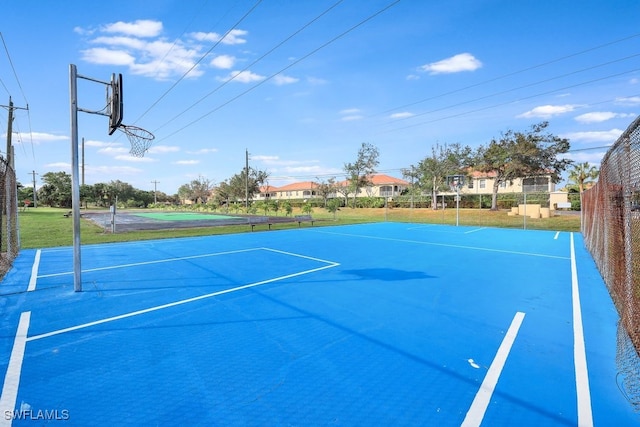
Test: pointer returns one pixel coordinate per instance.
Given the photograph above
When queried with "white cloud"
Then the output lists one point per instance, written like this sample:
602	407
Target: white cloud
36	137
233	38
203	151
113	150
631	100
159	149
601	116
595	136
242	77
547	111
403	115
284	80
105	56
454	64
134	159
224	62
187	162
139	28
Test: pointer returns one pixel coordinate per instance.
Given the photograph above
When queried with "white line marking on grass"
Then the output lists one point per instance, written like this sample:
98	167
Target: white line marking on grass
418	242
34	272
556	236
176	303
14	369
585	416
160	261
480	403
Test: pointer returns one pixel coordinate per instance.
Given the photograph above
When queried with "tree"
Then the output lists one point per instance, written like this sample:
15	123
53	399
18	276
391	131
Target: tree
583	174
326	189
522	155
359	172
237	184
198	190
56	190
445	160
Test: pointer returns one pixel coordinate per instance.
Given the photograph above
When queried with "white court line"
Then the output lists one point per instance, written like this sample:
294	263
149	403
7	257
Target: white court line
480	403
556	236
475	230
176	303
585	416
299	255
160	261
34	272
418	242
14	369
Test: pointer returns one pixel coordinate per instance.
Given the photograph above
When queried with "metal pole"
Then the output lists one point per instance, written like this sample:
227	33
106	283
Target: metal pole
75	186
457	205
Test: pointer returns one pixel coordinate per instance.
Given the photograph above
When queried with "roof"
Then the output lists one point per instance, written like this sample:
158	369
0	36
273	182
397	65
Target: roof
298	186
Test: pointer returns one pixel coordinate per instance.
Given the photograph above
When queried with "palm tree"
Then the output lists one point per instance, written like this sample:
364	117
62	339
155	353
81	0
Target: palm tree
583	174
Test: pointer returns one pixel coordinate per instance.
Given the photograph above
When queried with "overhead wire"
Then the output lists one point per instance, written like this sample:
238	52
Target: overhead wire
339	36
513	101
231	28
530	68
295	33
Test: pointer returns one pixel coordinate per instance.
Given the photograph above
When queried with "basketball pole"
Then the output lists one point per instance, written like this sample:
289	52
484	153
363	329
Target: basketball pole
75	186
75	169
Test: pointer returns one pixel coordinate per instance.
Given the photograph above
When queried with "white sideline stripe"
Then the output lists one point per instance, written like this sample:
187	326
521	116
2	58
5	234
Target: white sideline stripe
14	369
556	236
159	261
480	403
34	272
176	303
418	242
585	416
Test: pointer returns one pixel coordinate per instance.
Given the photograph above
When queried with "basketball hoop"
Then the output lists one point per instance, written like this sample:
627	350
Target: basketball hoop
140	139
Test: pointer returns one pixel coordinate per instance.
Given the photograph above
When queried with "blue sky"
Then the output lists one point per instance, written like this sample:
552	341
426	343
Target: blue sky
301	84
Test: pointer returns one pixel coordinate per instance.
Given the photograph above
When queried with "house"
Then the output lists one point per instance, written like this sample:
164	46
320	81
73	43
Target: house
381	186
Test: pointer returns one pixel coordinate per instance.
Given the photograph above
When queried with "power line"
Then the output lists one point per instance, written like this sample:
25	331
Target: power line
533	67
252	64
14	70
513	101
390	5
199	60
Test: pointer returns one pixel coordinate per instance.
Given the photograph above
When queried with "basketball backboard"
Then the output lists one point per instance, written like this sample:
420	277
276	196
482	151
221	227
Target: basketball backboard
114	102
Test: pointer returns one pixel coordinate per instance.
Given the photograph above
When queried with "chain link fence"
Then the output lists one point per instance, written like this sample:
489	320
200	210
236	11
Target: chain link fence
611	229
9	238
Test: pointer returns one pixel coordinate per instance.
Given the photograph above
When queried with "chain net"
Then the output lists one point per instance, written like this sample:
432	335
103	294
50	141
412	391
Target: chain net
9	242
611	229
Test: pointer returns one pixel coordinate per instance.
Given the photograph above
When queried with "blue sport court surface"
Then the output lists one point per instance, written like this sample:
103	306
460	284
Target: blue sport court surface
384	324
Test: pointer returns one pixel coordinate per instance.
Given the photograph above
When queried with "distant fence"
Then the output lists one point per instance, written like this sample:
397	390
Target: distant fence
611	229
9	239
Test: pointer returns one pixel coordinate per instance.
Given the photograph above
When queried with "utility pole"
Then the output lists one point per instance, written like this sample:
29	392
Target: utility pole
10	129
35	200
155	191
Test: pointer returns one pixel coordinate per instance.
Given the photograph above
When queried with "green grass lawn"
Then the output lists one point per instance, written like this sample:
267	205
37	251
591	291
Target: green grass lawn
47	227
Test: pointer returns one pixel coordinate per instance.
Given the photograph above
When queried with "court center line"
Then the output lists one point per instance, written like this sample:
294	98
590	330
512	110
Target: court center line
159	261
585	416
14	370
418	242
556	236
34	272
176	303
480	403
